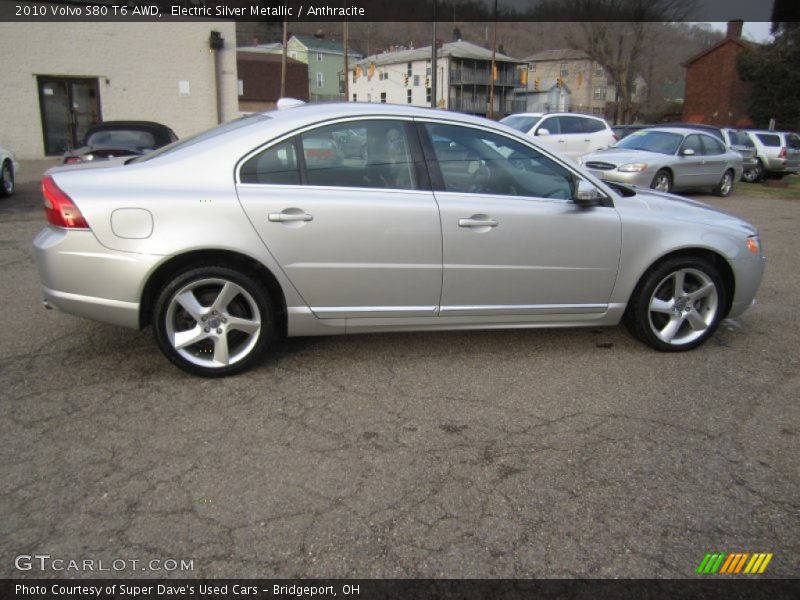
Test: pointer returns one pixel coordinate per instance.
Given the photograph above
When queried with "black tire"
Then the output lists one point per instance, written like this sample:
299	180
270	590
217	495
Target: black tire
6	180
664	179
652	315
725	186
248	303
755	174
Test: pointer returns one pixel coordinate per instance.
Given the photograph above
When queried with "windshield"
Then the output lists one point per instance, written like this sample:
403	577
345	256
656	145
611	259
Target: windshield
661	142
520	122
202	136
121	138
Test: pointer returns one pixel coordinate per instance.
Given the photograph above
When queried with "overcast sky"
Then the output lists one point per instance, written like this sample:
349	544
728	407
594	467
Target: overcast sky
757	31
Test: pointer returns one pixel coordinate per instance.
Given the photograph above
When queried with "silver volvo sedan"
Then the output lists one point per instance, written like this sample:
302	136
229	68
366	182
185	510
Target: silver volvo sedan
265	226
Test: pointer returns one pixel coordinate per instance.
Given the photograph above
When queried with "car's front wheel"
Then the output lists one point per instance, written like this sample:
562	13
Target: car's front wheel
677	305
662	181
6	180
213	321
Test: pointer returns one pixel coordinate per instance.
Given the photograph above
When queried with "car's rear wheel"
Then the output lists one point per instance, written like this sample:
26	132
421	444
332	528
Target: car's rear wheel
213	321
755	174
725	186
6	180
662	181
677	305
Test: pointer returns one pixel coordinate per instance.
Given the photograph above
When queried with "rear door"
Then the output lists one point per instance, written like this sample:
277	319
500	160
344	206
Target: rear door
358	236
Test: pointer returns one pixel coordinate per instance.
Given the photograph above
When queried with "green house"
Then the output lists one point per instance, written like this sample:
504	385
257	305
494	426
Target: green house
325	60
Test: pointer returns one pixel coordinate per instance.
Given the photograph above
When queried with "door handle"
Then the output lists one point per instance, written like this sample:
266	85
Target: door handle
288	217
587	140
477	223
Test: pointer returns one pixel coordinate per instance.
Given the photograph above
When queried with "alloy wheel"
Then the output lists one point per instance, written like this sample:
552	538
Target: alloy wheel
683	306
213	322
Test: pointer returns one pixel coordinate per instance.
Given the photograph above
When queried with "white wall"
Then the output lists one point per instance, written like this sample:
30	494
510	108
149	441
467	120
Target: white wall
138	65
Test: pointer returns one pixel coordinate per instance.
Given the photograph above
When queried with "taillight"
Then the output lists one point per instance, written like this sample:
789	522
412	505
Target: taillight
615	136
782	153
71	160
59	209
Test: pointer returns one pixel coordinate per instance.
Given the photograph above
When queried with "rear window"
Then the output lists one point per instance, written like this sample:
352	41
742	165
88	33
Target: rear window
202	136
121	138
793	141
769	139
740	138
593	125
520	123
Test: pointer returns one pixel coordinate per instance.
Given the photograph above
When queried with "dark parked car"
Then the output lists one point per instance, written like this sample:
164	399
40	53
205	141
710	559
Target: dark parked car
111	139
622	131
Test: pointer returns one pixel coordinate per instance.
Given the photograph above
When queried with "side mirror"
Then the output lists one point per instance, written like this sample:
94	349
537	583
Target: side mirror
542	131
586	195
687	152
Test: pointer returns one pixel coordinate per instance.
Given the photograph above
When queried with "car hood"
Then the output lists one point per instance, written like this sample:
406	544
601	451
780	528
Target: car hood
622	156
670	206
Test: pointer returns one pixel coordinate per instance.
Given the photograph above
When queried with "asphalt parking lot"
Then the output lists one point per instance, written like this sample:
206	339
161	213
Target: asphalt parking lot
555	453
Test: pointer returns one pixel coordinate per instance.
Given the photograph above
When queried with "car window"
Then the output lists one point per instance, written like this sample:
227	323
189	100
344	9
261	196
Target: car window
739	138
712	145
793	141
593	125
520	122
372	153
121	138
493	164
769	139
662	142
551	124
276	165
692	142
571	125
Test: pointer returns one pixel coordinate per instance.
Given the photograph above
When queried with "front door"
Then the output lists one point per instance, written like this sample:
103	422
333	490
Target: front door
357	233
513	241
69	106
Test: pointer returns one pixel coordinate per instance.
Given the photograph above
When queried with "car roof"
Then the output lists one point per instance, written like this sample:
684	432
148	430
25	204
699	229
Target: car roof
680	130
128	124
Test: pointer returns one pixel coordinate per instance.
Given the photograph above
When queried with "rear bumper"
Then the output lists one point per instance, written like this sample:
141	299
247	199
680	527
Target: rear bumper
81	277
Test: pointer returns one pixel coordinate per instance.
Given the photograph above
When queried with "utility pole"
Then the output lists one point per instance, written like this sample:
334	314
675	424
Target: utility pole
346	67
434	53
491	71
283	58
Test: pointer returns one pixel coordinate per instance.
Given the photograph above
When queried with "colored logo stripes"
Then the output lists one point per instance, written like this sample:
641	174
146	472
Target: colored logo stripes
734	563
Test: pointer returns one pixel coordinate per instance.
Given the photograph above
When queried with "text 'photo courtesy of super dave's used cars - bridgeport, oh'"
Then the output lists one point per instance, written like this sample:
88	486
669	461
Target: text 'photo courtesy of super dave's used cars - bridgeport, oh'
264	227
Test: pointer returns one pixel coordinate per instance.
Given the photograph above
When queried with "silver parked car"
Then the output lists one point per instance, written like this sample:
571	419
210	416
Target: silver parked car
669	159
778	153
256	228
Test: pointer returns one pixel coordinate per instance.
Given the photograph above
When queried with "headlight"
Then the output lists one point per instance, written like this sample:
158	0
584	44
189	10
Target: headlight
633	168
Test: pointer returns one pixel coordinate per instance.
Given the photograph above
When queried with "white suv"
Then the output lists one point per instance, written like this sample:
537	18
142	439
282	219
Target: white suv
569	133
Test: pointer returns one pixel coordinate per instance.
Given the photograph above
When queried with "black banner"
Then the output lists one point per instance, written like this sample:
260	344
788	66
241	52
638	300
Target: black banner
389	589
413	11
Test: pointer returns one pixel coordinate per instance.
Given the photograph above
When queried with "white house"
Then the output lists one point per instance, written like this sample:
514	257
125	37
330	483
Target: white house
464	71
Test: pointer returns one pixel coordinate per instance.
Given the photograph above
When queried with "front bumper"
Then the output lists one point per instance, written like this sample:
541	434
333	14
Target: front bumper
81	277
640	178
748	273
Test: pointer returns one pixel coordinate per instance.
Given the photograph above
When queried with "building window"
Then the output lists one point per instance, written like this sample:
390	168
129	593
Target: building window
427	95
240	85
599	71
416	80
600	93
355	97
292	54
319	56
408	69
428	68
320	80
408	96
383	97
564	70
369	97
597	110
532	67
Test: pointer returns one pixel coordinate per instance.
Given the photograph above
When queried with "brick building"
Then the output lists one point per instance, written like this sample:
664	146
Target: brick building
714	93
260	80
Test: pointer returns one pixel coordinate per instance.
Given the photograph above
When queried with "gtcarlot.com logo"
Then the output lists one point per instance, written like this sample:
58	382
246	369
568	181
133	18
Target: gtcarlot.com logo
734	563
45	562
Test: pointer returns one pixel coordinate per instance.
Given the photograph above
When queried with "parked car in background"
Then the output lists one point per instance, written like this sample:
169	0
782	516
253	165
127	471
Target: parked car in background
777	152
254	228
738	141
569	133
623	131
8	172
669	159
112	139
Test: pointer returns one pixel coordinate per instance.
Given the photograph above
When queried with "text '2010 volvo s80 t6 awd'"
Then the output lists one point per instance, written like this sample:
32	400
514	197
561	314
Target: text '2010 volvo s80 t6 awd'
265	225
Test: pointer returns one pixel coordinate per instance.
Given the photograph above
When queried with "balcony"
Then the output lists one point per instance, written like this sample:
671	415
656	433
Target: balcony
460	76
